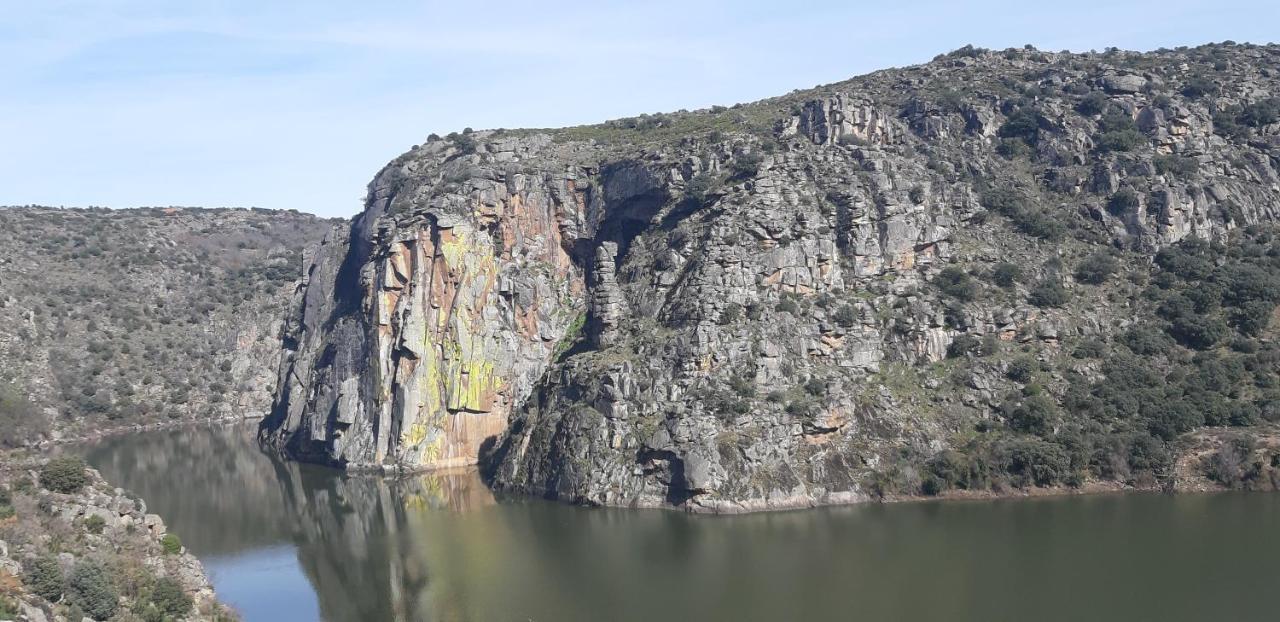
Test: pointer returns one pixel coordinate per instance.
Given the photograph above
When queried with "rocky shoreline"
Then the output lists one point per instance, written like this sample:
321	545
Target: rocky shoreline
74	547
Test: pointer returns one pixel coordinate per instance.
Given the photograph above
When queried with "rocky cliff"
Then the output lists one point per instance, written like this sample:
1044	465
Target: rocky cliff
917	280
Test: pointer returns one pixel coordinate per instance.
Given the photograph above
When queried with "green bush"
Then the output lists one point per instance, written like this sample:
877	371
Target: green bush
956	283
90	588
43	576
64	474
1024	124
1096	268
1005	274
746	164
1092	104
1029	219
1048	293
1175	165
731	314
20	421
1022	369
171	544
95	524
846	315
701	188
1123	202
169	597
1198	86
1034	461
963	345
1118	132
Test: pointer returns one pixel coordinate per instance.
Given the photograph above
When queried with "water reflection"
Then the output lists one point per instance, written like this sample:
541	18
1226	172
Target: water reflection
353	537
440	548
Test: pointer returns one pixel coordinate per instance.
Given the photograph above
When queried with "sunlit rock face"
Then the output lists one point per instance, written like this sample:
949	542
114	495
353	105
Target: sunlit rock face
748	308
412	338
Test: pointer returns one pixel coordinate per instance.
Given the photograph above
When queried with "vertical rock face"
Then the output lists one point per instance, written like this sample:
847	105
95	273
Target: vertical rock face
414	335
793	302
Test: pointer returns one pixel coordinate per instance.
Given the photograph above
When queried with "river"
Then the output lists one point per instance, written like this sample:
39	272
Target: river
284	541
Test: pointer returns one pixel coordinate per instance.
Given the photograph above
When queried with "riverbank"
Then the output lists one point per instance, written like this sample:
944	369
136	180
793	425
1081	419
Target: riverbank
98	435
74	546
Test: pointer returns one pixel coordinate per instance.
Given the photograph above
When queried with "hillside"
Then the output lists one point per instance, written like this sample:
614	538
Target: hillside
111	318
993	271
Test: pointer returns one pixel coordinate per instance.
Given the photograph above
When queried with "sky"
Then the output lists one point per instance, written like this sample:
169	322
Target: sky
296	104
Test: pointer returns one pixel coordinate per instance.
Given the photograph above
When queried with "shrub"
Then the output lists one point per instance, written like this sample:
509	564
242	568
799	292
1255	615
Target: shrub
1199	332
1048	293
169	597
700	189
95	524
1023	124
1096	268
44	577
171	544
1005	274
1034	461
1030	220
1022	369
963	345
956	283
1033	414
64	474
1198	86
90	588
846	315
732	313
746	164
1118	132
1092	104
1176	165
20	421
1123	202
1260	113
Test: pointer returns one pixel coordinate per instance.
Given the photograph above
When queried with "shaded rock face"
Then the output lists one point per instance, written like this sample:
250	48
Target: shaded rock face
757	308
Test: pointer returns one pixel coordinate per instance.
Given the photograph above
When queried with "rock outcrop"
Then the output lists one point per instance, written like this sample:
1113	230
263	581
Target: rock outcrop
792	302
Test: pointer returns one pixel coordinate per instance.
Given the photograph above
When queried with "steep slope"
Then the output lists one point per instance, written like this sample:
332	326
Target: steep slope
121	317
920	279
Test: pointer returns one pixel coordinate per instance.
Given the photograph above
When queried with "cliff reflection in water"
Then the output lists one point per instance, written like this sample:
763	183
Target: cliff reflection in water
294	542
364	543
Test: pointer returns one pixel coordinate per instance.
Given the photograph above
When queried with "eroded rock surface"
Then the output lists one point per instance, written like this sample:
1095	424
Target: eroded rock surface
779	304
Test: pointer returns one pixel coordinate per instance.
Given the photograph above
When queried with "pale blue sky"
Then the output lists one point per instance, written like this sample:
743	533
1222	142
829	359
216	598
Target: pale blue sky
297	104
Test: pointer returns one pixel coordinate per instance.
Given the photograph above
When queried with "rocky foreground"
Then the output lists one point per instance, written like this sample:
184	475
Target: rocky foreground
997	270
72	547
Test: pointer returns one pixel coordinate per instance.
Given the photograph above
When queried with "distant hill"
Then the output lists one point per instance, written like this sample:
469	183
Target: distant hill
118	317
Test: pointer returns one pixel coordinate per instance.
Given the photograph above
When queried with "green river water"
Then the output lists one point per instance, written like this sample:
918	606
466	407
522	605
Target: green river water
284	541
